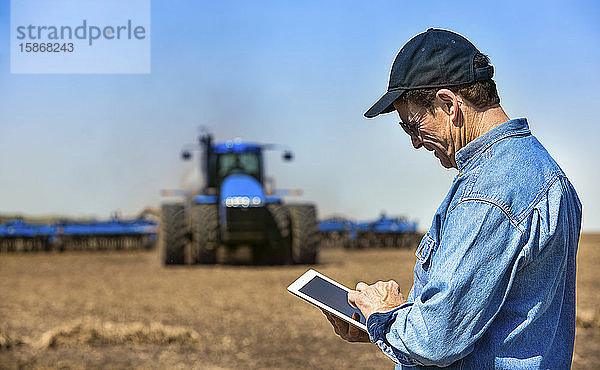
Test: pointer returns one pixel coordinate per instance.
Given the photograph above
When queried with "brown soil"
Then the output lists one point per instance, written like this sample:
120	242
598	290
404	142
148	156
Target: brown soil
117	310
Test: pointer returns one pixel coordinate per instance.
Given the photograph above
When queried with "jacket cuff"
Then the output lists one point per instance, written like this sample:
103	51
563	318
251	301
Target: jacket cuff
378	325
379	322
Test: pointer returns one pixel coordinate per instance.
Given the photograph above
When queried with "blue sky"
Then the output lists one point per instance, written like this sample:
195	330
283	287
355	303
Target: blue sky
294	73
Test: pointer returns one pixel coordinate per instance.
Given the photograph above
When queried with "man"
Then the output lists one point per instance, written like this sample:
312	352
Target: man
494	280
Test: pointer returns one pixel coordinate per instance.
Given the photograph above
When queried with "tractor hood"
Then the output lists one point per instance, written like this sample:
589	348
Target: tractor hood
242	191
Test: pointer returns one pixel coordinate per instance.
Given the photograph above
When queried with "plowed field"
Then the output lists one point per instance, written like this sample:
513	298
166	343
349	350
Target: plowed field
116	310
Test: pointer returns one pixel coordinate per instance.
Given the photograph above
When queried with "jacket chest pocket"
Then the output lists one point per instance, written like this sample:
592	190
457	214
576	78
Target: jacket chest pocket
424	254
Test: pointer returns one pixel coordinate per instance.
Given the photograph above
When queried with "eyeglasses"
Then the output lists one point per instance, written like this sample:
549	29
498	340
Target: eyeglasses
411	127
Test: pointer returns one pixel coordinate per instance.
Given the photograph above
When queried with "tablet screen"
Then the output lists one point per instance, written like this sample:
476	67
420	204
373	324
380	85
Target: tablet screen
332	295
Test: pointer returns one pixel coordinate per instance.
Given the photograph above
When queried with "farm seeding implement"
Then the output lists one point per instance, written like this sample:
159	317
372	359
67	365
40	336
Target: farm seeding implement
18	235
385	232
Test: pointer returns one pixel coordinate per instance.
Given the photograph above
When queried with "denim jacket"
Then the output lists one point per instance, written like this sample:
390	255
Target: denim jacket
494	280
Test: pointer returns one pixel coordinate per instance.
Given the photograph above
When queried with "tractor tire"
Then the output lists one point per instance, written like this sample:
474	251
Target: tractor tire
304	233
172	237
204	224
278	249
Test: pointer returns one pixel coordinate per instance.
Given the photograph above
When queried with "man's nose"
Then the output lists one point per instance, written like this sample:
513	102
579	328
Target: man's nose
416	142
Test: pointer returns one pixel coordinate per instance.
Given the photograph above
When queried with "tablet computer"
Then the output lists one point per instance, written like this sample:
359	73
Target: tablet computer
327	294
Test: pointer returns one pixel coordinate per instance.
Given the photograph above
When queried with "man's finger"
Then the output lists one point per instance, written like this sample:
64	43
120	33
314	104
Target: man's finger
337	331
342	328
328	315
353	331
361	286
352	295
337	322
333	320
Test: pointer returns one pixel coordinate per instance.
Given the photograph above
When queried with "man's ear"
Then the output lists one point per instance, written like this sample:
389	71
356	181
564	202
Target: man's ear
448	102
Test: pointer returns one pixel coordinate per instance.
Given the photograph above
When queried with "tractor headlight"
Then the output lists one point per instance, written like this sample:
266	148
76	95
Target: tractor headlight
243	202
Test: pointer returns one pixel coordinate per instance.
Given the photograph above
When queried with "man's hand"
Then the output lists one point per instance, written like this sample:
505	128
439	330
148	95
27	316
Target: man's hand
345	330
379	297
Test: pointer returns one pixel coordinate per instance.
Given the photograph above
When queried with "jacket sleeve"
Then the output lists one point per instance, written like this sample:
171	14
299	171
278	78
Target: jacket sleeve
470	270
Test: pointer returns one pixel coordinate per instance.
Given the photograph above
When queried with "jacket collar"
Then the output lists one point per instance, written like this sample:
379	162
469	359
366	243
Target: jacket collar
514	127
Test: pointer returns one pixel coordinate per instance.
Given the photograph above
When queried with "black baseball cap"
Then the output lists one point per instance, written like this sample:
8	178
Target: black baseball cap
435	58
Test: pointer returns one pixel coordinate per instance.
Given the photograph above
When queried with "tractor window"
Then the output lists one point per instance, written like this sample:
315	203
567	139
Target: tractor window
245	163
249	162
226	164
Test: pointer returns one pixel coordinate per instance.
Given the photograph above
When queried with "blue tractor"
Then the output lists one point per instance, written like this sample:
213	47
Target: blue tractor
235	209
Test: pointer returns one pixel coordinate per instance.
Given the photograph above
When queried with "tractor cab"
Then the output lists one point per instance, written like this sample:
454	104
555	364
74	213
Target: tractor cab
235	158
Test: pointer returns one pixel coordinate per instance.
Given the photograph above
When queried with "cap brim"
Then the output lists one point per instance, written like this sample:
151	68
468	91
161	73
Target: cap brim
385	104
